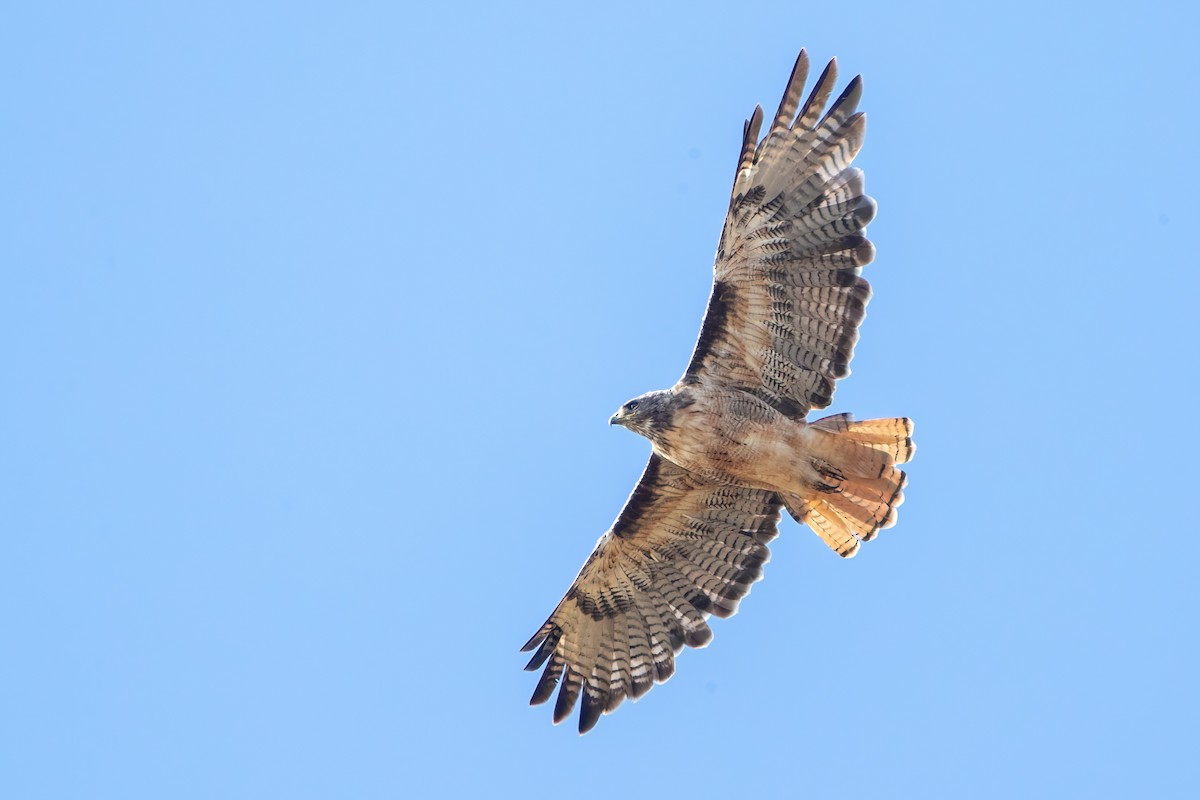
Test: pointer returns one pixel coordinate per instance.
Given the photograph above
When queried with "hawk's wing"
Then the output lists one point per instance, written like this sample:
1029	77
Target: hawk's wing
681	549
787	298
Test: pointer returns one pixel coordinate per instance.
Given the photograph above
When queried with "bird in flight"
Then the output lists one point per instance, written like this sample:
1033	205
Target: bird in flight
731	441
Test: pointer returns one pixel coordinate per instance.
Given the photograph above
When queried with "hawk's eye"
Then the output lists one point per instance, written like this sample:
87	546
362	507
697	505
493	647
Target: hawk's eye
631	405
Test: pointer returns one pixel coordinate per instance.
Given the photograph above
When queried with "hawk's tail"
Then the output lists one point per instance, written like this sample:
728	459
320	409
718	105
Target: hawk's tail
854	487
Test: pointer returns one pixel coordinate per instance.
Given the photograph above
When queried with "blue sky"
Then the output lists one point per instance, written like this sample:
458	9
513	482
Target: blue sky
313	319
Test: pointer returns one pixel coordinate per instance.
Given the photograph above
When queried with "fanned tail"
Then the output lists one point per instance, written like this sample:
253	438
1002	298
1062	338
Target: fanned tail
853	487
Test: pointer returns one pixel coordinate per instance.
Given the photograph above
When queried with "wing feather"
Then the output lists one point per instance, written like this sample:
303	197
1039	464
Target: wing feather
787	297
820	94
681	549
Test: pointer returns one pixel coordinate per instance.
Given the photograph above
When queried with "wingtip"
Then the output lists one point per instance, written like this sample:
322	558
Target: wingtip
562	710
800	68
589	713
543	633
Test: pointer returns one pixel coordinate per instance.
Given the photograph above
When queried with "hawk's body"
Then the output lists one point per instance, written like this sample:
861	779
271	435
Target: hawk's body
728	436
731	441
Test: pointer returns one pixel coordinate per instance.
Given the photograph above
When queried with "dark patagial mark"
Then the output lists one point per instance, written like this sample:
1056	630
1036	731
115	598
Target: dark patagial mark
716	317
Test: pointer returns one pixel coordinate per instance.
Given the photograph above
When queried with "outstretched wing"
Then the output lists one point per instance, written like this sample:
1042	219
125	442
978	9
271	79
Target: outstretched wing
681	549
787	298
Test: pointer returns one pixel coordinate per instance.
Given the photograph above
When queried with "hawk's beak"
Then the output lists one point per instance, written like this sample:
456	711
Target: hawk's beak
615	418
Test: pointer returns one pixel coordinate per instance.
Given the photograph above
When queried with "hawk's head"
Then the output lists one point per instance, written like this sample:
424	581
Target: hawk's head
648	414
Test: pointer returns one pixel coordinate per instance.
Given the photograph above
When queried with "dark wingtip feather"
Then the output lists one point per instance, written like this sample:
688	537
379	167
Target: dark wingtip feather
791	93
544	651
864	210
848	98
699	637
536	639
864	252
750	132
566	699
546	683
816	99
539	657
664	668
589	712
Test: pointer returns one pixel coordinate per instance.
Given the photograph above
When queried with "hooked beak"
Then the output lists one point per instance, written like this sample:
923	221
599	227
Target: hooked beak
615	418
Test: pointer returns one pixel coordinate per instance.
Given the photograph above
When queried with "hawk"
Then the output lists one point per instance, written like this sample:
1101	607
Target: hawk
731	442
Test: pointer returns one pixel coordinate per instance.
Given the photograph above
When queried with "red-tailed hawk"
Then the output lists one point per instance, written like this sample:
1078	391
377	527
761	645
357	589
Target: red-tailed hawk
731	445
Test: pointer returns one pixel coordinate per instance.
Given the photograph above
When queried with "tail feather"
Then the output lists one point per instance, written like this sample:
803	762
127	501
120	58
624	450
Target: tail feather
829	526
865	515
859	488
891	436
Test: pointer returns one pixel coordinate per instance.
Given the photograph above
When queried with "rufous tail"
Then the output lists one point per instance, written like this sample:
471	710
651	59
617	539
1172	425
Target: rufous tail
854	487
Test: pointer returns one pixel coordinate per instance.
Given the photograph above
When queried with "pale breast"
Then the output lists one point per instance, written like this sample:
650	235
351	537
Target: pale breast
733	437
